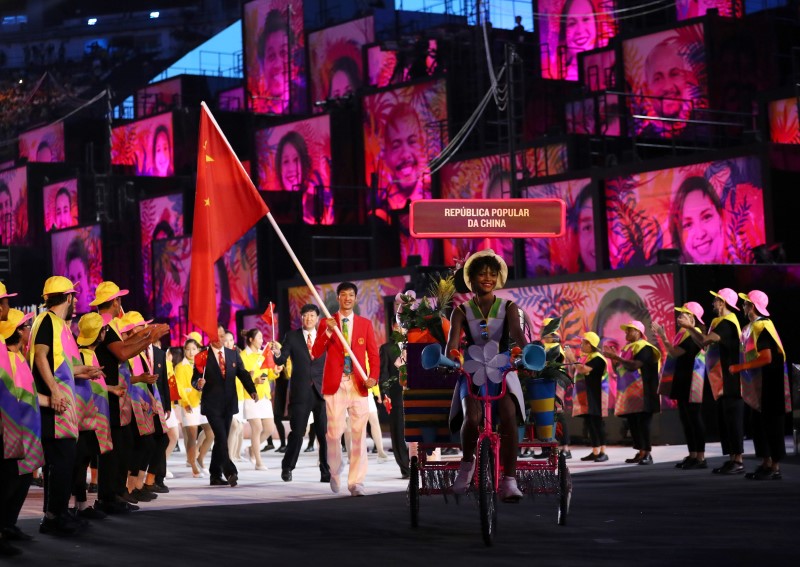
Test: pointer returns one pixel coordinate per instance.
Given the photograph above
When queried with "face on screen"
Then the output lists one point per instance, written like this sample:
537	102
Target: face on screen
291	168
78	273
581	28
44	153
276	66
341	85
162	155
586	235
6	212
701	229
404	150
667	77
63	216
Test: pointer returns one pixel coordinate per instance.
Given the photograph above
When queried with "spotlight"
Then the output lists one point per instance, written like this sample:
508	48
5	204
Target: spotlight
154	15
668	257
91	21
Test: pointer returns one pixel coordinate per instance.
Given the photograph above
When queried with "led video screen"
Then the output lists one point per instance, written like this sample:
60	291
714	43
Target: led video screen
576	251
403	129
387	66
274	45
77	254
159	218
145	145
232	100
783	123
488	178
666	74
597	115
569	27
60	204
158	97
370	300
598	72
695	8
43	145
235	279
711	212
14	228
336	63
297	157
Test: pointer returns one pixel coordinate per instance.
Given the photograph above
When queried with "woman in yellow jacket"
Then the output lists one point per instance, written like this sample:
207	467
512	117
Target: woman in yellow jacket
258	414
190	404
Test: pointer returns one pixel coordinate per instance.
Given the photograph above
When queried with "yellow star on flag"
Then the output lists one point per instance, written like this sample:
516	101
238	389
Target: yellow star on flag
207	202
209	158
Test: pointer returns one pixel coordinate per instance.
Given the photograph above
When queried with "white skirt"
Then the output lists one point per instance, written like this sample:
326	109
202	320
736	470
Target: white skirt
262	409
194	418
373	408
240	416
174	419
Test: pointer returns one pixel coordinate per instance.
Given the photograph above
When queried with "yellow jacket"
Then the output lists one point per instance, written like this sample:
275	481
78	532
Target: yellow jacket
183	378
252	363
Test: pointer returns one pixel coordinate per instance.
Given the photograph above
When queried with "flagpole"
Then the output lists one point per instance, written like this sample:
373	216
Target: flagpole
292	255
272	317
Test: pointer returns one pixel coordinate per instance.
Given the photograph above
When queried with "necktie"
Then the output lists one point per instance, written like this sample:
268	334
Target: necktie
308	342
222	364
348	364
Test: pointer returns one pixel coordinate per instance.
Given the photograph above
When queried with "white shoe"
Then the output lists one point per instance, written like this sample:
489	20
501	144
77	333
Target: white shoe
357	490
334	483
509	491
261	468
169	475
198	475
382	458
464	477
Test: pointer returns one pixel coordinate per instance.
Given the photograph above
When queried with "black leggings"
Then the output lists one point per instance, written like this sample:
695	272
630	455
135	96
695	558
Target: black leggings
693	427
730	415
88	448
768	438
639	425
596	426
59	463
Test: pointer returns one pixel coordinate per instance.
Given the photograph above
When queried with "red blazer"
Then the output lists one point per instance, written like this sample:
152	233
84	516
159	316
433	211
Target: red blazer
364	346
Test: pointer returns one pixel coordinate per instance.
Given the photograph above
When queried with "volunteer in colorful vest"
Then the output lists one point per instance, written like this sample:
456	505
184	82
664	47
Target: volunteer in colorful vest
55	362
259	414
765	384
483	319
682	379
553	341
344	389
637	387
94	436
113	354
20	424
722	350
144	413
190	407
591	395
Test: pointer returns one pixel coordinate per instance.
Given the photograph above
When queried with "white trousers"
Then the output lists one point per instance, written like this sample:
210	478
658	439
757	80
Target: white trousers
348	401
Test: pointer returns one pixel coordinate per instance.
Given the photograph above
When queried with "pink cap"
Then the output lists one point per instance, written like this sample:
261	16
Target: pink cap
759	299
638	325
694	308
727	295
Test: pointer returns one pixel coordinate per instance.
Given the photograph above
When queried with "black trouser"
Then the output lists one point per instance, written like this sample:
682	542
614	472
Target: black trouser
639	425
13	490
113	466
59	462
397	427
298	419
730	416
768	438
87	448
220	459
596	426
694	429
143	448
157	464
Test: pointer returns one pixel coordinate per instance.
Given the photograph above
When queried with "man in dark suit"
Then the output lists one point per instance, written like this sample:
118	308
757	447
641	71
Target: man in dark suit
215	373
390	386
305	392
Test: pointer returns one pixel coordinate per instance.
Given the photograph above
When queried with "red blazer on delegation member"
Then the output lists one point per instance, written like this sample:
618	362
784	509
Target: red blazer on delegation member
364	345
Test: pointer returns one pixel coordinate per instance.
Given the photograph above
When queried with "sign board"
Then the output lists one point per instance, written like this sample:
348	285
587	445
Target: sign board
487	218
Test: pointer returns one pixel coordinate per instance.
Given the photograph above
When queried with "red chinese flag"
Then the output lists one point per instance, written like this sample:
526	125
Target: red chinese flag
227	205
267	315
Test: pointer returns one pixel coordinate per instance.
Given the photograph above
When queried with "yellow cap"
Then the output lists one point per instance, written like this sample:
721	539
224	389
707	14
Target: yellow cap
89	328
4	291
131	320
106	291
195	336
591	338
16	319
58	284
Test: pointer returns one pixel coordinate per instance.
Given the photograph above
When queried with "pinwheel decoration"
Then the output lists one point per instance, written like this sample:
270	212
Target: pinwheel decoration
486	362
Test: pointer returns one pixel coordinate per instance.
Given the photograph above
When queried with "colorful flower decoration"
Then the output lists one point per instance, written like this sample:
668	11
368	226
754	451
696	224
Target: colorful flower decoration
486	363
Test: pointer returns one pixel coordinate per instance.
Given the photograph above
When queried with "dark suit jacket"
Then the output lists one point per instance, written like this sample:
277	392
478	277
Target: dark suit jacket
306	374
219	395
160	370
389	370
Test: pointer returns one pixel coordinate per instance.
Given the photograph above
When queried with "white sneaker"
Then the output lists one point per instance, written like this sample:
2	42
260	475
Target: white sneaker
509	491
464	477
261	468
357	490
169	475
382	458
334	483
